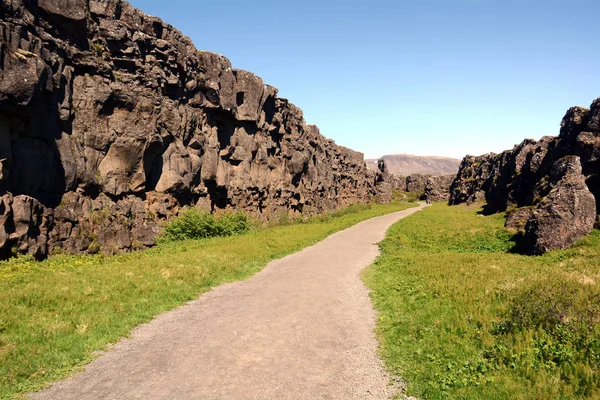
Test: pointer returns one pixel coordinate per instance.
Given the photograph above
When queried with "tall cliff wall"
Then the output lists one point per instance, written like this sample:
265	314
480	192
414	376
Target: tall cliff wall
111	120
534	172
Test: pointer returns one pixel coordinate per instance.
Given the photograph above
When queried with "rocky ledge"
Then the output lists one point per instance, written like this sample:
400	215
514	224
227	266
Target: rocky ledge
111	121
550	188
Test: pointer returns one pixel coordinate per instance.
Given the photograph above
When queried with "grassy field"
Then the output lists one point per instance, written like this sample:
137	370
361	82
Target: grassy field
461	317
56	315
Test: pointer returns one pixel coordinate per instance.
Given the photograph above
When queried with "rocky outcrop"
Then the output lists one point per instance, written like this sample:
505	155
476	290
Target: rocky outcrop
437	185
383	183
565	214
526	177
111	120
472	181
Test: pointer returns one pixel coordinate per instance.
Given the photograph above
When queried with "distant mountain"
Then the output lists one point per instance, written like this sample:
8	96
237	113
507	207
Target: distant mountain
407	164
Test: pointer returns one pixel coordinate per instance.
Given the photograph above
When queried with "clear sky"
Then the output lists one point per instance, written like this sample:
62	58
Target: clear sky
425	77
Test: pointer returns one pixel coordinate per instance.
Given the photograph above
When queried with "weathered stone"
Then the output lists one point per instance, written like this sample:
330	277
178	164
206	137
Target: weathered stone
111	120
23	226
23	76
5	214
527	176
383	183
472	180
68	9
438	186
517	219
566	214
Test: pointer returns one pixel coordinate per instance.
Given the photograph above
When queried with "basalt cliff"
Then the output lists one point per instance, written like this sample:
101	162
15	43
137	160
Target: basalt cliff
111	121
550	187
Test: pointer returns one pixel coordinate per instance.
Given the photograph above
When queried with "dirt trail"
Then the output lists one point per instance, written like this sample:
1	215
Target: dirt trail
302	328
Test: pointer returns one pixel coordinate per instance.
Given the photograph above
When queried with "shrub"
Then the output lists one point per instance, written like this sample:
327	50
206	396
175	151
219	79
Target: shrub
551	325
197	224
232	224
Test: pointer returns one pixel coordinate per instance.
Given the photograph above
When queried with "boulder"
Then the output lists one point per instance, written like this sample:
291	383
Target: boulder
517	219
566	214
542	175
68	9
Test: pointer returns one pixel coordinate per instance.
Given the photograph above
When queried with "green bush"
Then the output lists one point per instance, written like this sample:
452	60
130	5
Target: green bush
551	325
197	224
232	224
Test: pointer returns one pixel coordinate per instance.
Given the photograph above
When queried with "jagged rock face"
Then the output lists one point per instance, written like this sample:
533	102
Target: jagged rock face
522	177
416	183
106	110
383	183
510	179
565	214
472	180
438	186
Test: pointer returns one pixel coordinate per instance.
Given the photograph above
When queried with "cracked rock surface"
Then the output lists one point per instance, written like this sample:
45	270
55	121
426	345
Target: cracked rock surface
111	121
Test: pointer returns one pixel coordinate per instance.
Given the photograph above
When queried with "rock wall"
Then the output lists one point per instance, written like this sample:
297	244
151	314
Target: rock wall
437	185
527	176
111	120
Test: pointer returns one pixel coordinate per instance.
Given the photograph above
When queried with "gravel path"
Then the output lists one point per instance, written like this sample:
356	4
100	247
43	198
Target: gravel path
302	328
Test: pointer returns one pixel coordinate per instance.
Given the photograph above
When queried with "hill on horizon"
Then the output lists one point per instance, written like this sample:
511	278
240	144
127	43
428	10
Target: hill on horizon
408	164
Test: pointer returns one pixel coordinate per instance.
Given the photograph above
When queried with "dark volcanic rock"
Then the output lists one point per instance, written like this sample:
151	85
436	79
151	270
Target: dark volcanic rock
565	214
111	121
470	184
523	176
517	219
437	185
383	183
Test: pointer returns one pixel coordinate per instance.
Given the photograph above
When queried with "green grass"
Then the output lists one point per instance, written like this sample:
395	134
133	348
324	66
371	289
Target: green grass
461	317
193	223
55	315
405	196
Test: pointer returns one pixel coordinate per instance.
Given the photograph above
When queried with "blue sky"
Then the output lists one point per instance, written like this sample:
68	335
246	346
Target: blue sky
425	77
